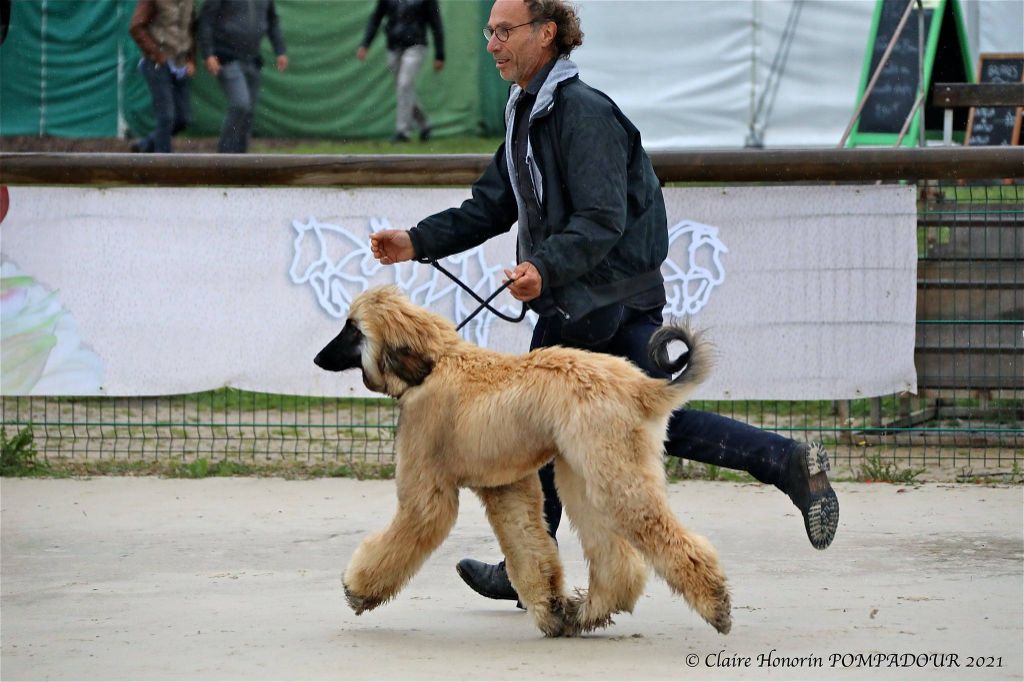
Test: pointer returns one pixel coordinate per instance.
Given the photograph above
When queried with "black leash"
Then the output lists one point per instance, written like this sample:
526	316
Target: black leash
483	303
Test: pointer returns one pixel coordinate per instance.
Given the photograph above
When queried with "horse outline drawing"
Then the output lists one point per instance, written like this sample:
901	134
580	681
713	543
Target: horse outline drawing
688	290
338	265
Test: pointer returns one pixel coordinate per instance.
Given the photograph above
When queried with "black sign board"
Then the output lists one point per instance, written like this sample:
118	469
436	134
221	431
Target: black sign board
944	59
894	94
996	125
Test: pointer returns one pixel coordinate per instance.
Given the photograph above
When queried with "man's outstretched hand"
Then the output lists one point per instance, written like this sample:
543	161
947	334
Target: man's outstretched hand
392	246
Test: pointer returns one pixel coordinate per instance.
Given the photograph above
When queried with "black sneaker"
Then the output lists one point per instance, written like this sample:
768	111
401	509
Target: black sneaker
488	580
399	138
807	485
425	134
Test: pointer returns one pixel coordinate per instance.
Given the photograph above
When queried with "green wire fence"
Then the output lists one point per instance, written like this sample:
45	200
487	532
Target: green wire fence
966	422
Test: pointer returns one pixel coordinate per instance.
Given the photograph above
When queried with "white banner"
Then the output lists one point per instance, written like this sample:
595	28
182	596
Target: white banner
806	292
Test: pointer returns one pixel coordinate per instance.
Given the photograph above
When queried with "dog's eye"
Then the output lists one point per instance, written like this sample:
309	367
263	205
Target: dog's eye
352	331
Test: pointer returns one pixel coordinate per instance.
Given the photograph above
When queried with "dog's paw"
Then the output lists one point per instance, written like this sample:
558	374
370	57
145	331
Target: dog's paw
557	617
361	604
585	620
720	617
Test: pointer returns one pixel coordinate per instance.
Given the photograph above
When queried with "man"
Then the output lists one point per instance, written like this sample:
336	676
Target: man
230	32
407	44
163	30
5	19
592	237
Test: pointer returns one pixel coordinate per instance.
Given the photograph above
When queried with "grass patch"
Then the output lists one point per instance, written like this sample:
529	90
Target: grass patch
794	407
875	470
18	455
463	144
983	193
204	468
225	400
234	400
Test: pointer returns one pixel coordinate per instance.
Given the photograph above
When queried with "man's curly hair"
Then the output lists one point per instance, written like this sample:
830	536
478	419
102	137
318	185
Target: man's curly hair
566	18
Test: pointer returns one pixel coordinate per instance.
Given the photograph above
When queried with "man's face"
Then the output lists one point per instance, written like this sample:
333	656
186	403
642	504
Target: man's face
527	49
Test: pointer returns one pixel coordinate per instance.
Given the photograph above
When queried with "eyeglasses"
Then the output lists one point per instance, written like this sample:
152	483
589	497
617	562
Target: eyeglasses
501	33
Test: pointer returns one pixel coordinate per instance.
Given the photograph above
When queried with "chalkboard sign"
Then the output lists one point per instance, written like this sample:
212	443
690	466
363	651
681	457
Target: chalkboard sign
995	126
893	96
891	99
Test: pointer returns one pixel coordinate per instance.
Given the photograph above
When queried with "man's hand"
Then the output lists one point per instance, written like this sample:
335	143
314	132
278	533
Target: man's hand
526	282
392	246
282	62
361	54
438	64
213	65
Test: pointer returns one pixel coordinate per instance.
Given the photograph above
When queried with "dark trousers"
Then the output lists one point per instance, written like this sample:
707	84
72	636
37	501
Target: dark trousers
171	106
699	436
240	81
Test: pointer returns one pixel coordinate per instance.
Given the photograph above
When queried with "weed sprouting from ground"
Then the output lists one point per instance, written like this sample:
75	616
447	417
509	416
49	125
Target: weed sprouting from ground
18	456
876	470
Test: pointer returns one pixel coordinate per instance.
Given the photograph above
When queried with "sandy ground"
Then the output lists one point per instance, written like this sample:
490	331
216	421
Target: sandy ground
142	578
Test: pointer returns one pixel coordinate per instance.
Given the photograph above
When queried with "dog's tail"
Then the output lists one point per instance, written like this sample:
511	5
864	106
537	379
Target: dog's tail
693	365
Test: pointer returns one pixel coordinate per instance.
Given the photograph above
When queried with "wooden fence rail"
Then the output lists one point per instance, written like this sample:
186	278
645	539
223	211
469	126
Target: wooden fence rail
782	165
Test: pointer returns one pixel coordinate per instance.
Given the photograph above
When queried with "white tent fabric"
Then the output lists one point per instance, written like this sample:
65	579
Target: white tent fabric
690	73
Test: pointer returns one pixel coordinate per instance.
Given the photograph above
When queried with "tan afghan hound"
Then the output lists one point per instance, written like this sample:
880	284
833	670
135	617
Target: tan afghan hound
476	418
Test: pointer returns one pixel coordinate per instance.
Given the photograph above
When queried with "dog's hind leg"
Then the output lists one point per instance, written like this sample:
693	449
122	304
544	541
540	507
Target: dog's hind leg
632	490
384	562
618	572
516	514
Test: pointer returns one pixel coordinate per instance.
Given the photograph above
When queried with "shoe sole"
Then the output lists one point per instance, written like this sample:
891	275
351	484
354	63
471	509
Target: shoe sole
822	517
476	588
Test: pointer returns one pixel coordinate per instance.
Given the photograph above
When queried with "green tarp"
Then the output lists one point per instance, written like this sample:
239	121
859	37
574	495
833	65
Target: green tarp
69	68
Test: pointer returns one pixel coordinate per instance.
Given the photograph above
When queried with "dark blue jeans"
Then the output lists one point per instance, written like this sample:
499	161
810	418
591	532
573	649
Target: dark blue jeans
699	436
240	81
171	106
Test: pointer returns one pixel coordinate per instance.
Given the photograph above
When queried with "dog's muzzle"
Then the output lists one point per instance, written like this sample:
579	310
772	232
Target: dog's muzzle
343	352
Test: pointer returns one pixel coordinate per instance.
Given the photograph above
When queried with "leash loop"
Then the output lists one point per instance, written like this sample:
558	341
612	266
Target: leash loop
484	304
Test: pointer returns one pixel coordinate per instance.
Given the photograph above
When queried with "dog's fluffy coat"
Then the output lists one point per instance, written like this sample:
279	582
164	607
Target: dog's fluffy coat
476	418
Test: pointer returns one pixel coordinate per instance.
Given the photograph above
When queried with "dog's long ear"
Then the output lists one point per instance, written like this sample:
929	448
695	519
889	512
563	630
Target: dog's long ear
408	366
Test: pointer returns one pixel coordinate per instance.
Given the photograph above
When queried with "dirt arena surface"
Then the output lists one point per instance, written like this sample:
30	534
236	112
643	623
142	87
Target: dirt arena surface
238	579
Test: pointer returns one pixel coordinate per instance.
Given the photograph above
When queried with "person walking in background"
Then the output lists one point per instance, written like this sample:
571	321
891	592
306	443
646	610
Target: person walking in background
164	30
593	234
229	35
5	19
406	31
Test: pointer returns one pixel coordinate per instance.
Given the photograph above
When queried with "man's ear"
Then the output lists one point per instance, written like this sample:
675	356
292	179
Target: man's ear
408	366
549	30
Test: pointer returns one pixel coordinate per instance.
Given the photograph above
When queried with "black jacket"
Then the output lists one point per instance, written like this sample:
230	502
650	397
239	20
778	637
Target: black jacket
233	29
603	234
407	24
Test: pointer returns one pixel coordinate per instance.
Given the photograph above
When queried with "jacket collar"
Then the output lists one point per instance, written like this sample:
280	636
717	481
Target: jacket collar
562	70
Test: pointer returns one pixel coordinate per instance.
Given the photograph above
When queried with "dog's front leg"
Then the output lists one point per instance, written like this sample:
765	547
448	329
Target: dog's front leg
386	561
516	514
